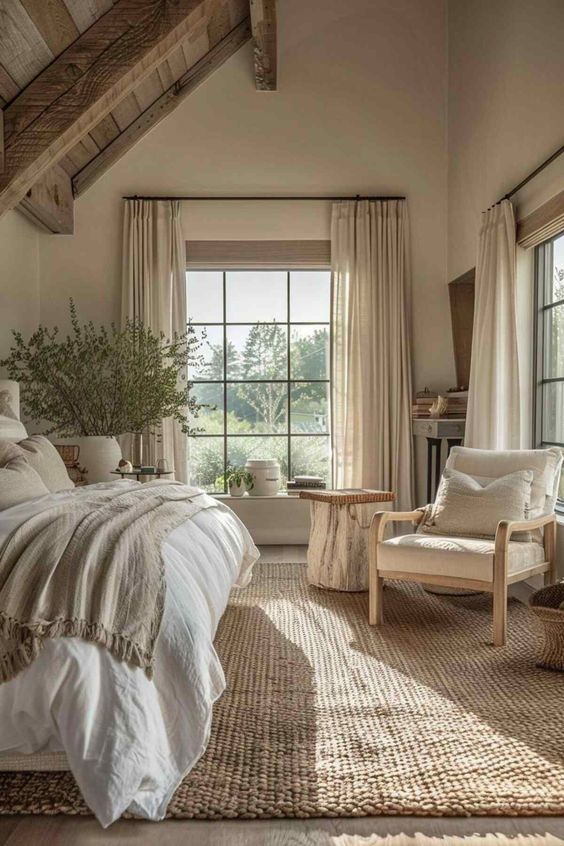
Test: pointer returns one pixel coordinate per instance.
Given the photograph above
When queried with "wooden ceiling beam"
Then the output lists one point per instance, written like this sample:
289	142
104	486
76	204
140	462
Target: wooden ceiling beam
50	203
84	83
263	19
163	106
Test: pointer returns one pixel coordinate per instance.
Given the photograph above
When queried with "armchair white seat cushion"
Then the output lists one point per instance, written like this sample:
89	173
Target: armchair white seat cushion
463	558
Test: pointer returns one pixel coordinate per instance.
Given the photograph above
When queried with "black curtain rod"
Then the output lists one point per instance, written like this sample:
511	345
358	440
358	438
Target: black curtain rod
268	199
533	173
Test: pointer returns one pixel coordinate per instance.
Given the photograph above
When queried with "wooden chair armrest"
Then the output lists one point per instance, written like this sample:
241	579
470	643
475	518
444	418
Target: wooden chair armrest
505	528
379	520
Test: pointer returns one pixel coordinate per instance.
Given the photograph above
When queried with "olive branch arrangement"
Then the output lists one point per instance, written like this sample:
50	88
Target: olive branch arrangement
104	381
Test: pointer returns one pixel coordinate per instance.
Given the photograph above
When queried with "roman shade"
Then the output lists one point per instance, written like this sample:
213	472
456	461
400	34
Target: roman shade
542	224
229	255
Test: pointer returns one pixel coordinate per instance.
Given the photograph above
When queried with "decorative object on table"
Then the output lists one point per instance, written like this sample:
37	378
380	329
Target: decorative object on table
337	556
438	407
70	454
136	448
125	466
266	476
547	604
456	399
98	383
477	562
436	431
163	465
239	480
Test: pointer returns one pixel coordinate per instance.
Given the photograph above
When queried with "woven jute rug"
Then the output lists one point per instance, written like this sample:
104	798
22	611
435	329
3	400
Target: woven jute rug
326	716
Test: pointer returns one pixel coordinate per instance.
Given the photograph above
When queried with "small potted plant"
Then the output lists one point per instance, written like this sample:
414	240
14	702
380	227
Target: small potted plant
239	480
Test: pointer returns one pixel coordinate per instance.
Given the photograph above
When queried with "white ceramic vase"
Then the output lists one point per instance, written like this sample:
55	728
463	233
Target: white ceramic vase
99	455
266	476
237	490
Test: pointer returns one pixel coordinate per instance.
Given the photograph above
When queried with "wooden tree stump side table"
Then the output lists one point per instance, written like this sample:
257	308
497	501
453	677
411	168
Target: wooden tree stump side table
337	556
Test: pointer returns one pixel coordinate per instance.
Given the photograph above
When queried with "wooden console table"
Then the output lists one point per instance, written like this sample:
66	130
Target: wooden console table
436	430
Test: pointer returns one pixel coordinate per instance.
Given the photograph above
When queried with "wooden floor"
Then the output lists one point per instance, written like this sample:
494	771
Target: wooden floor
367	831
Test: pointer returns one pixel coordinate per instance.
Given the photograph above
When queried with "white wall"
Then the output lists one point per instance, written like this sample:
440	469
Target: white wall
506	66
361	108
19	279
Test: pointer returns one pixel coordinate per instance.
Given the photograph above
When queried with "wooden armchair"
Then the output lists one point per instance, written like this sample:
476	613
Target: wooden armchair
472	562
500	579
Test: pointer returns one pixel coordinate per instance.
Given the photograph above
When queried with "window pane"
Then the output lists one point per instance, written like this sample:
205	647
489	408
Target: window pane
256	295
261	408
204	296
311	456
257	352
309	407
554	253
310	295
210	353
553	412
309	352
206	463
239	449
554	342
210	418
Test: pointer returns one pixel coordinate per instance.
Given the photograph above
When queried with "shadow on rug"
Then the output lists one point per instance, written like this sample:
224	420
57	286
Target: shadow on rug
325	716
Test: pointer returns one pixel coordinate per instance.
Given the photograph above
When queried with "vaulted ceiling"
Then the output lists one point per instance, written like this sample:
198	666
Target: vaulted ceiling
81	81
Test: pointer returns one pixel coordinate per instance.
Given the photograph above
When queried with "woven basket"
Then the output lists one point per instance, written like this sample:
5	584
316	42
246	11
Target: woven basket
545	605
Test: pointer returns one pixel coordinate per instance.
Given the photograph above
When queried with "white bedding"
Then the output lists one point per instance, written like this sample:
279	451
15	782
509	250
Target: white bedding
130	741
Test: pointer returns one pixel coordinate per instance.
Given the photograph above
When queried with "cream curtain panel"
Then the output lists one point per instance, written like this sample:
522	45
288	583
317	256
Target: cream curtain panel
371	361
154	291
494	407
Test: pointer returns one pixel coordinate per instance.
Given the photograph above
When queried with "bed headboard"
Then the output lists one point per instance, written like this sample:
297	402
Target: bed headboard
11	429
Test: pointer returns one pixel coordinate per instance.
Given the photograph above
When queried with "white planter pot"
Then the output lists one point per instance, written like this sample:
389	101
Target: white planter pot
99	455
237	490
266	476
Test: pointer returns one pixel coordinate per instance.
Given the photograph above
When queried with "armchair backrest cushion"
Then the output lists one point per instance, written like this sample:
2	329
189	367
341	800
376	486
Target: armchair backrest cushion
486	465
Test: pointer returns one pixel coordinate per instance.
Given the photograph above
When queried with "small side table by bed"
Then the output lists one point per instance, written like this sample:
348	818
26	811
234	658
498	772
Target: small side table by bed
140	474
337	556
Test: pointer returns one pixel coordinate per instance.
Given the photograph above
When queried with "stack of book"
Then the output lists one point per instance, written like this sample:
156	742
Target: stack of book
456	408
457	404
305	483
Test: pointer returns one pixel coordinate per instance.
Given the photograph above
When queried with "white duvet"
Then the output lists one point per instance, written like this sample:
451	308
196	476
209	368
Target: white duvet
130	741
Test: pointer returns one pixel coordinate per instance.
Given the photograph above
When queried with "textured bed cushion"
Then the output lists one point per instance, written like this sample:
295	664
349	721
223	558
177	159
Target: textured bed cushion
18	480
43	457
464	506
10	427
491	464
464	558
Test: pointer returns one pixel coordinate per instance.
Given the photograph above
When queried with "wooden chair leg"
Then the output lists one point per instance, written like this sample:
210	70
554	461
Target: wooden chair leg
500	613
550	551
375	585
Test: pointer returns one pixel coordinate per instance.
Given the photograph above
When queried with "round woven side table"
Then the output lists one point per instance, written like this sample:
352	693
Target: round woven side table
337	556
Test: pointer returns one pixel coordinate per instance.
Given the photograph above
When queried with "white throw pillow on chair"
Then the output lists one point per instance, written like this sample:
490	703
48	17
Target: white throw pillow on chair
468	507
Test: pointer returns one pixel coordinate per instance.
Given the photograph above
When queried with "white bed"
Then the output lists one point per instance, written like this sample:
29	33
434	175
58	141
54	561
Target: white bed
129	741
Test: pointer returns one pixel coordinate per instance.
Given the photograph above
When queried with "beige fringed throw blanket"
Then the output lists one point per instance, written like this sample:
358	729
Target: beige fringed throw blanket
90	566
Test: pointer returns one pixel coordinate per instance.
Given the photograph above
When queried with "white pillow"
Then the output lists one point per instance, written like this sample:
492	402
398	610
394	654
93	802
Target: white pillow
18	480
464	507
40	454
487	464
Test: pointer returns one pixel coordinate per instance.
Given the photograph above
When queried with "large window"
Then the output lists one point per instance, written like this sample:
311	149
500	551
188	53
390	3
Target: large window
549	405
264	374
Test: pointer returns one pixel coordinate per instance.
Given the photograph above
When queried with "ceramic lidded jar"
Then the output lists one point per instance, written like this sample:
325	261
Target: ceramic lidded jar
266	476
